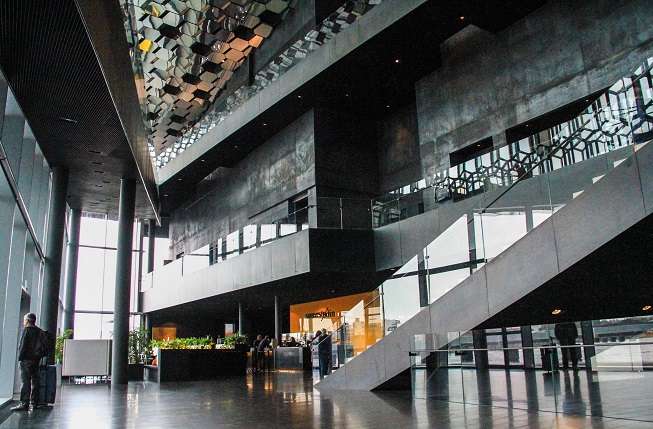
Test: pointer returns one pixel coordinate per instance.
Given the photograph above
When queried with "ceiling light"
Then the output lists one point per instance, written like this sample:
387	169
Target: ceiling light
265	125
646	308
165	195
299	96
387	105
462	17
70	121
556	311
202	160
397	61
180	179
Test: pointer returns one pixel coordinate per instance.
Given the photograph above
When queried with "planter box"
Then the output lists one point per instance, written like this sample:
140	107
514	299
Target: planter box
135	371
186	365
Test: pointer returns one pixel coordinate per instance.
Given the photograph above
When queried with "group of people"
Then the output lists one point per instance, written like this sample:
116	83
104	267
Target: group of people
322	341
258	352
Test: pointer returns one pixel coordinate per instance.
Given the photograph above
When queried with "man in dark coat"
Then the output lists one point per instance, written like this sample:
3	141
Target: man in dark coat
566	334
29	364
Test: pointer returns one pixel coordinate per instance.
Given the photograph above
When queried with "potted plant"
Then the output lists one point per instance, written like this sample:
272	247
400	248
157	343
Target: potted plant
58	351
137	352
236	341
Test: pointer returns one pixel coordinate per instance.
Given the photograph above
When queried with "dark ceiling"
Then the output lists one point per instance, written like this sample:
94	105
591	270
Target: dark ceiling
368	82
52	69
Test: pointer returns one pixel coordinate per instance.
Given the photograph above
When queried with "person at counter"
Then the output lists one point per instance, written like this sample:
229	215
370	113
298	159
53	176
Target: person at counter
265	343
291	342
255	344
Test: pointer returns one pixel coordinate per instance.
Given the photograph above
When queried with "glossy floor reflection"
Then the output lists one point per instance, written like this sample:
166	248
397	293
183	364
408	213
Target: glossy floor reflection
620	395
277	400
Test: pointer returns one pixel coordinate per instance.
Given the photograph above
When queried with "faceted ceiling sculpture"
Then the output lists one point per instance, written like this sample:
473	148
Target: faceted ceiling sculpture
188	50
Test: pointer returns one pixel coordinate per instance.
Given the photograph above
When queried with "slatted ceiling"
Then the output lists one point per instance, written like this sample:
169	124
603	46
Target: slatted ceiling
53	71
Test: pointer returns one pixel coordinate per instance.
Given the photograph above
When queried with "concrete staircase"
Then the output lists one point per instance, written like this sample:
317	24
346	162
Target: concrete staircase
605	209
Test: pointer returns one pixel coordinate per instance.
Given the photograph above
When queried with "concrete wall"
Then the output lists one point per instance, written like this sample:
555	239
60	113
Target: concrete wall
281	168
346	155
560	53
399	161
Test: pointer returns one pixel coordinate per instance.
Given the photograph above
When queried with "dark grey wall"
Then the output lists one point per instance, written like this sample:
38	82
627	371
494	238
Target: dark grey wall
346	155
558	54
281	168
399	162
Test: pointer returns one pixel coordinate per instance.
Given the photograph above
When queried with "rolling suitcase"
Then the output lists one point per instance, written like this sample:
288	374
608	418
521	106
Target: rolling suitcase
549	359
47	384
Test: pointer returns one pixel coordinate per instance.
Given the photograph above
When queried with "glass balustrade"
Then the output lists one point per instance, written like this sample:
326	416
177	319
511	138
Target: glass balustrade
327	213
499	367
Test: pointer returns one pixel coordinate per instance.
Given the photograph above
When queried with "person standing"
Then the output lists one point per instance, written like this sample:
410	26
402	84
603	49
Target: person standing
257	341
324	352
265	343
29	364
566	334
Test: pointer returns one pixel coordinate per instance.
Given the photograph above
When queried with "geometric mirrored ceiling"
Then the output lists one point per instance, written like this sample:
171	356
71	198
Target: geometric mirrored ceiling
186	51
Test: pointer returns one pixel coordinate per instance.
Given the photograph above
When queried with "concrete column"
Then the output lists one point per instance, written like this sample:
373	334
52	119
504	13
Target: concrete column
587	334
54	250
240	317
71	269
119	354
277	320
422	278
151	232
480	343
527	341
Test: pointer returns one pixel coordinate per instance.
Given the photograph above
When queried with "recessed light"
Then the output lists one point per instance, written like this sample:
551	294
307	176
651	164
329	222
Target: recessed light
462	17
299	96
264	124
556	311
180	179
202	160
646	308
165	195
397	61
70	121
387	105
235	146
346	95
526	124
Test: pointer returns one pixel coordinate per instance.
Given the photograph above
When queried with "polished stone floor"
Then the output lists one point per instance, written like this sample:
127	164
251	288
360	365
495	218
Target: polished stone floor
289	400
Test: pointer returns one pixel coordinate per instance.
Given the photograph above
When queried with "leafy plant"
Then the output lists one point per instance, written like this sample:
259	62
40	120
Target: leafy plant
58	346
233	339
184	343
138	345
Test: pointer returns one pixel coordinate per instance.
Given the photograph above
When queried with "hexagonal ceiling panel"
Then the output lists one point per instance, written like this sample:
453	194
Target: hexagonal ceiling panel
186	51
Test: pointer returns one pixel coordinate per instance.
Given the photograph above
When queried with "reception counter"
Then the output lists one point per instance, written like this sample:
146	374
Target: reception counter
191	364
292	358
